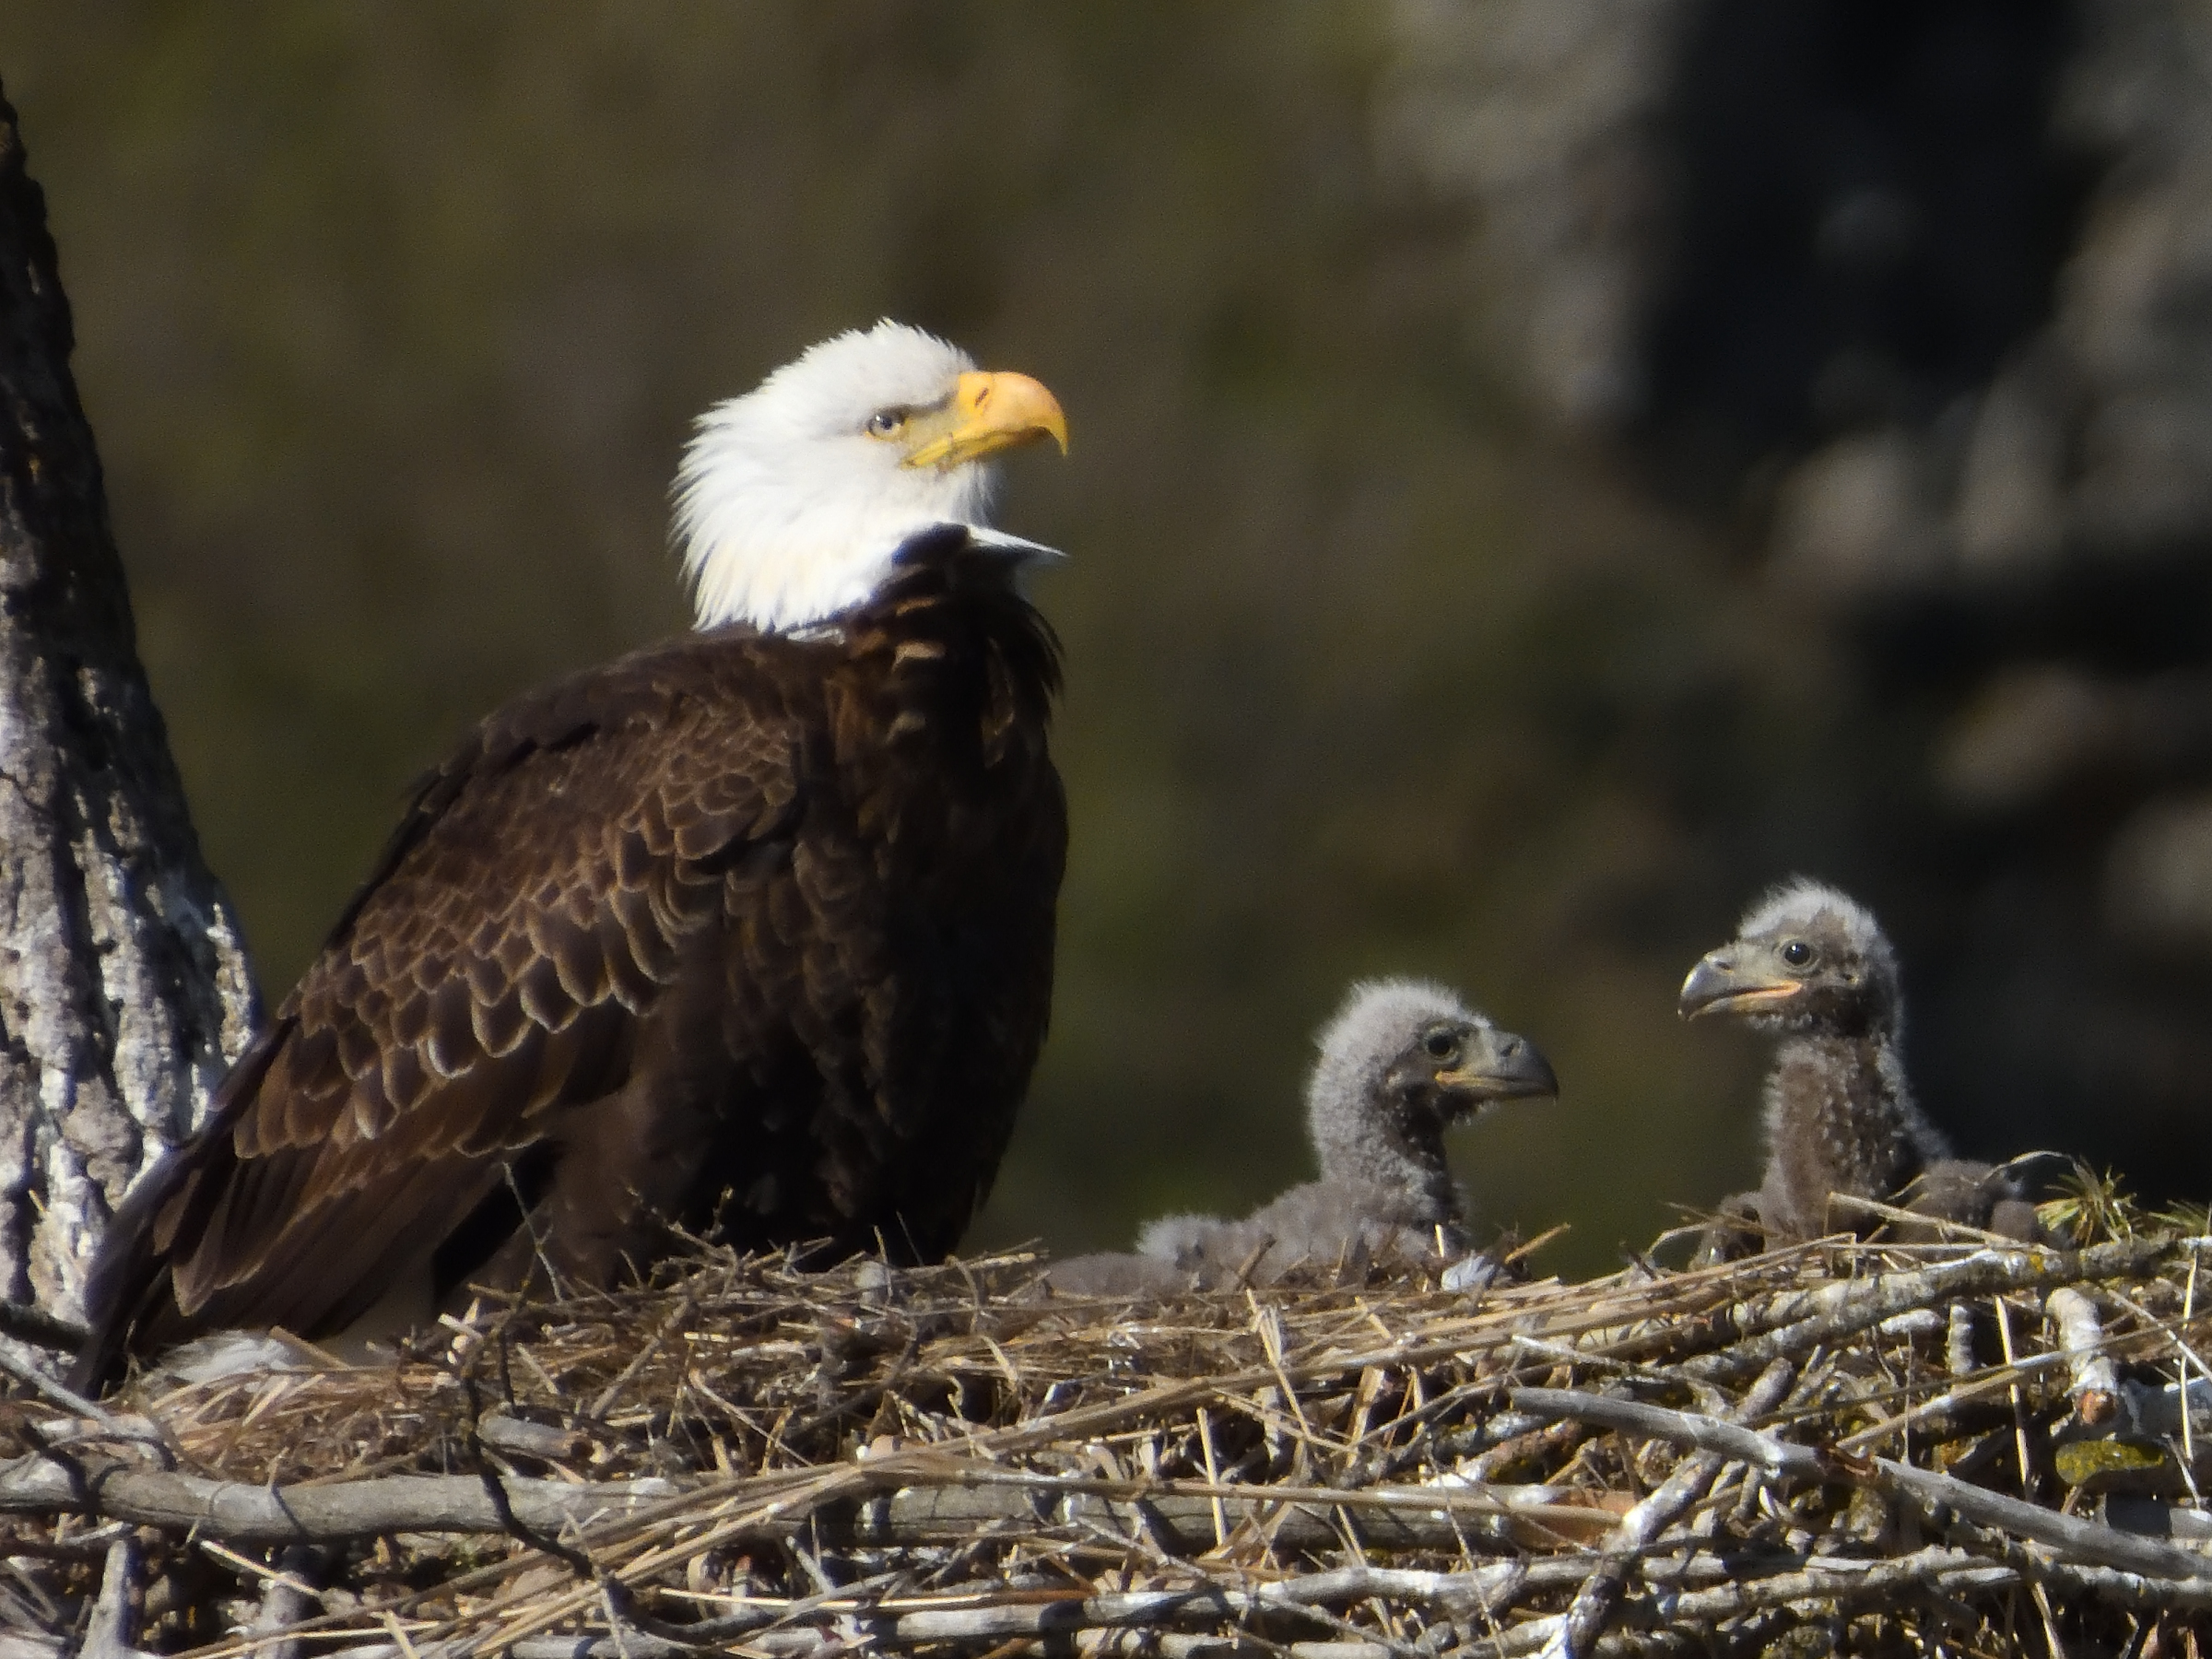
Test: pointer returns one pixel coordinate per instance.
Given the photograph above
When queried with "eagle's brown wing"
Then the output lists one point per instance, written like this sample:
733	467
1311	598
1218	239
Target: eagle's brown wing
495	969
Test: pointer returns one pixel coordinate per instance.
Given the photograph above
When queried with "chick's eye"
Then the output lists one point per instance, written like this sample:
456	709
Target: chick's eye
1442	1045
885	422
1798	954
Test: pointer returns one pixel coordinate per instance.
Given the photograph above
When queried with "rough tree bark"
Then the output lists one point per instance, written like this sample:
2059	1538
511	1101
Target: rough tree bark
123	982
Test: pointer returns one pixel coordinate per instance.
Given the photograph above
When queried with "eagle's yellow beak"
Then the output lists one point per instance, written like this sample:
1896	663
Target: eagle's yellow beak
988	413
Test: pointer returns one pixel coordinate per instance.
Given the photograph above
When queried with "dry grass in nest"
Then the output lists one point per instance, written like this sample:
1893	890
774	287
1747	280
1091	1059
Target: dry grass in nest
1974	1447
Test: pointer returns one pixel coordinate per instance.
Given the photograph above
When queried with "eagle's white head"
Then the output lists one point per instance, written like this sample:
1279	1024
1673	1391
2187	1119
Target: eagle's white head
793	500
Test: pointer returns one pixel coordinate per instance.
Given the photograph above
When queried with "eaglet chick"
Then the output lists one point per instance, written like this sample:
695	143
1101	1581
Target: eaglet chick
1402	1061
1813	966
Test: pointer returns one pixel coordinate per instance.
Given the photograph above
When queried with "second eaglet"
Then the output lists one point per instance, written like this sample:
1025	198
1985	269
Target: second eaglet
749	931
1814	968
1402	1061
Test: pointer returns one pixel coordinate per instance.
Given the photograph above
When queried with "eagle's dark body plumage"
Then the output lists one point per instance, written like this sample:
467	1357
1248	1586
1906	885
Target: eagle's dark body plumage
747	930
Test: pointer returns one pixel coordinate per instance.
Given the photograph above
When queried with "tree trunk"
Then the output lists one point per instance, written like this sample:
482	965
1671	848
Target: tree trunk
124	982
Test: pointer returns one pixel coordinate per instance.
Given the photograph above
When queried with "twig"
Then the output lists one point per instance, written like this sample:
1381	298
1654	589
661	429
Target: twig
2121	1589
27	1322
514	1436
1594	1604
1596	1360
1521	1252
1015	1615
110	1636
918	1499
2074	1316
2188	1418
613	1392
1794	1323
1940	1415
2100	1545
615	1598
2019	1401
2087	1335
1948	1570
798	1644
1003	1615
1959	1341
241	1513
2080	1333
1213	1475
1298	1518
1909	1217
46	1388
284	1600
1659	1422
2186	1398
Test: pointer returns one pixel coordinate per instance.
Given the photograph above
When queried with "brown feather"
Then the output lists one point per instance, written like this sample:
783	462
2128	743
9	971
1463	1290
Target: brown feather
740	913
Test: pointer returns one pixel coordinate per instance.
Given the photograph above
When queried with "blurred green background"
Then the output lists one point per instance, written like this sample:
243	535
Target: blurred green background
1382	657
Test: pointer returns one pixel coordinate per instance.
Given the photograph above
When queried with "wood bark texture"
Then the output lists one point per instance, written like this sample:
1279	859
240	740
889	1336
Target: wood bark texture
124	982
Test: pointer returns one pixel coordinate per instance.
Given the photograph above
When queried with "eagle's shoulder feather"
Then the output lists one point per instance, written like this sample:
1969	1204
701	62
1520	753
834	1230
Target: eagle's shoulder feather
530	906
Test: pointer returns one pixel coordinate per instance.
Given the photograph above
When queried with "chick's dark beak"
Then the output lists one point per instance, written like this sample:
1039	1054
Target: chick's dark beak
1502	1066
1721	984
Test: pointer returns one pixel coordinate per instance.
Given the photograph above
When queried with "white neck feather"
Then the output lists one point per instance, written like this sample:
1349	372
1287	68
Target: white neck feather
779	551
787	513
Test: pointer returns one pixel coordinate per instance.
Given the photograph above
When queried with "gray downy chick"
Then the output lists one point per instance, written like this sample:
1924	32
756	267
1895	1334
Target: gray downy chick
1814	968
1402	1061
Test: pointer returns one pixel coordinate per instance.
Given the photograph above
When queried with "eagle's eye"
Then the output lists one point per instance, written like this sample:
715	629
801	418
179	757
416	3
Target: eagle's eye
885	423
1441	1043
1798	954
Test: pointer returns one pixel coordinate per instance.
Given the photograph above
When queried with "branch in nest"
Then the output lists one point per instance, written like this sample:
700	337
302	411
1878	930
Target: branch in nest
1828	1584
26	1322
1946	1571
1958	1357
2154	1410
108	1636
284	1603
2096	1389
240	1513
799	1643
952	1503
1720	1593
1295	1517
2084	1540
1576	1629
774	1630
519	1436
1796	1322
47	1389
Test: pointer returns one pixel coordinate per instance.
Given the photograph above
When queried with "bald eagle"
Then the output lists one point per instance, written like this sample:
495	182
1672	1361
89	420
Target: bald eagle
1402	1061
1813	965
749	931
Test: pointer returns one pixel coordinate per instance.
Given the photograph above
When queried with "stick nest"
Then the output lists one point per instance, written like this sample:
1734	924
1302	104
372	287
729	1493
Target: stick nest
745	1457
